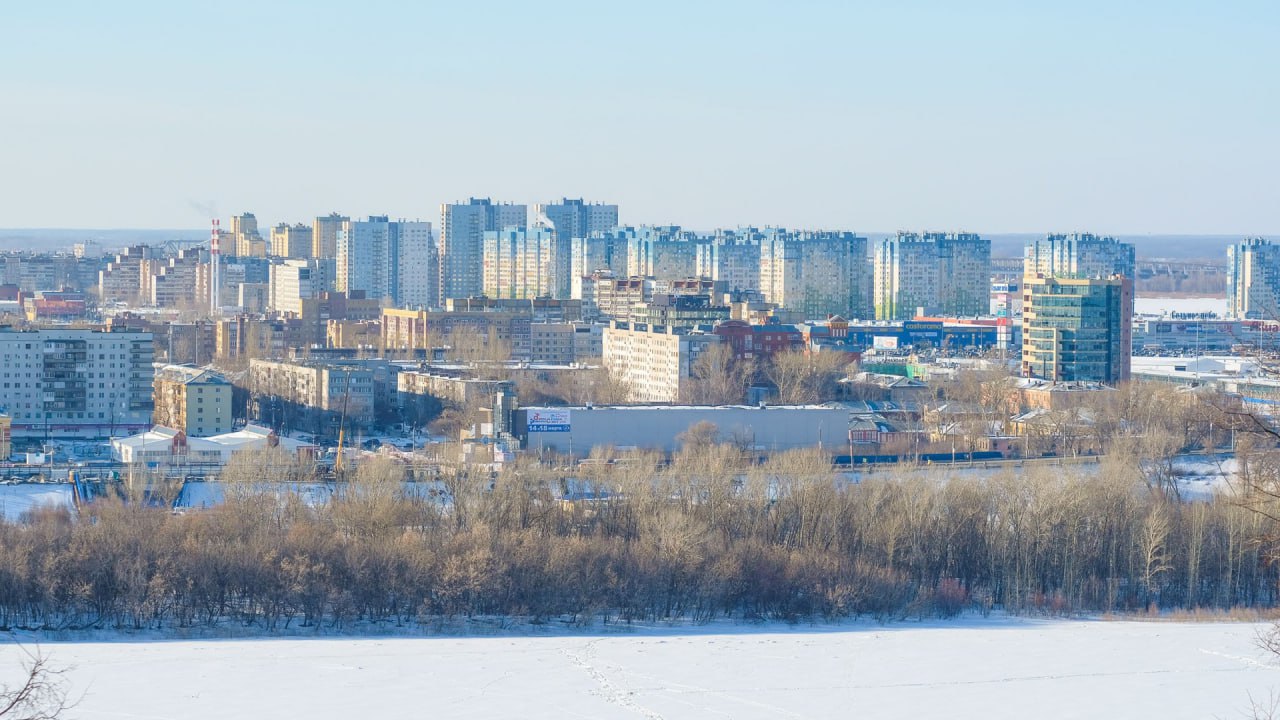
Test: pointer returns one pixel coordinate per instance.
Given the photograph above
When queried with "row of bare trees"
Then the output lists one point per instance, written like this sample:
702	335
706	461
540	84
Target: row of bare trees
798	376
707	534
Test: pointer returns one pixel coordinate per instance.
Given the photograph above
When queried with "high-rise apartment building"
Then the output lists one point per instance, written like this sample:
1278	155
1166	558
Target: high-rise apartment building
76	383
245	238
941	273
521	264
1253	280
600	252
291	241
324	235
419	266
732	258
1077	328
170	282
1078	255
571	221
121	279
664	253
387	259
461	249
816	273
296	280
577	219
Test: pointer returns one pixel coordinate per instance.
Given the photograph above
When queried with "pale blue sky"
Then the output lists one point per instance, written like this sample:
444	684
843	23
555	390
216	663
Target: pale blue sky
1160	117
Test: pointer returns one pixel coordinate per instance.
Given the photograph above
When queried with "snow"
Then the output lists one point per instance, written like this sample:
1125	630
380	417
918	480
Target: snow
971	668
18	499
1161	306
1202	476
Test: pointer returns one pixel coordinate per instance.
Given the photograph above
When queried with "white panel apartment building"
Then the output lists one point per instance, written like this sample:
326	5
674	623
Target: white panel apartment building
942	273
601	251
573	220
816	273
1253	280
654	365
419	266
293	281
462	229
520	264
732	258
662	253
76	383
388	259
1078	255
577	219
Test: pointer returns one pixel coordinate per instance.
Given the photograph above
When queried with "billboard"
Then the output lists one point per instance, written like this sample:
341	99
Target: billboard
548	420
884	342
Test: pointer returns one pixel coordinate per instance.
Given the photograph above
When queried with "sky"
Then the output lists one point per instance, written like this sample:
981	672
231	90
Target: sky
1112	117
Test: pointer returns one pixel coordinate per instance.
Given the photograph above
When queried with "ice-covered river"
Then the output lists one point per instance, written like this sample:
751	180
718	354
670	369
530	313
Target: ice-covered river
975	668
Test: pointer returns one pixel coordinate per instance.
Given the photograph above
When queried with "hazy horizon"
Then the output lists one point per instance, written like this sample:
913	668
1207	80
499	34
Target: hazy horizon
1149	246
1095	116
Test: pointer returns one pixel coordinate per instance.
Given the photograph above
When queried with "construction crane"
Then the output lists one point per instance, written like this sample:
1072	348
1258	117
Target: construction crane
342	421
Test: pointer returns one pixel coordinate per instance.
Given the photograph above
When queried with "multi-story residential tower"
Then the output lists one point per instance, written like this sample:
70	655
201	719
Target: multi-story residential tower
663	253
387	259
942	273
170	282
121	279
293	281
521	264
578	219
1078	255
291	241
599	252
816	273
245	238
76	383
1077	328
419	266
1253	280
324	235
732	258
194	400
461	249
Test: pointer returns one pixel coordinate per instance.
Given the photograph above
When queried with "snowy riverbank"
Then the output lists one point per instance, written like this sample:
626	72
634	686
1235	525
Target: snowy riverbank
972	668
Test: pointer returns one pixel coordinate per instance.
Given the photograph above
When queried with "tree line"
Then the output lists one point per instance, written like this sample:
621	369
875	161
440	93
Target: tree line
708	534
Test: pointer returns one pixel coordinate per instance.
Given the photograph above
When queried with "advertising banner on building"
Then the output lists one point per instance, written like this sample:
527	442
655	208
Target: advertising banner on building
548	421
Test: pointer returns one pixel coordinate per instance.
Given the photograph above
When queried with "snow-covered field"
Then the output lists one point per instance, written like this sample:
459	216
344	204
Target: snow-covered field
1165	305
974	668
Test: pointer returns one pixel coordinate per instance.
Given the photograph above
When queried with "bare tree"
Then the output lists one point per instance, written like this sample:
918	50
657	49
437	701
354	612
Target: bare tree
42	694
719	378
804	377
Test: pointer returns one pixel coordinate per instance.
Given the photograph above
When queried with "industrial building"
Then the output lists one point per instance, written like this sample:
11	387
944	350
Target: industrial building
764	429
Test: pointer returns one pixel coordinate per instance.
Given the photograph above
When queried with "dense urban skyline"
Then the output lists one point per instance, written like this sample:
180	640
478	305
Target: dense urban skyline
995	118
